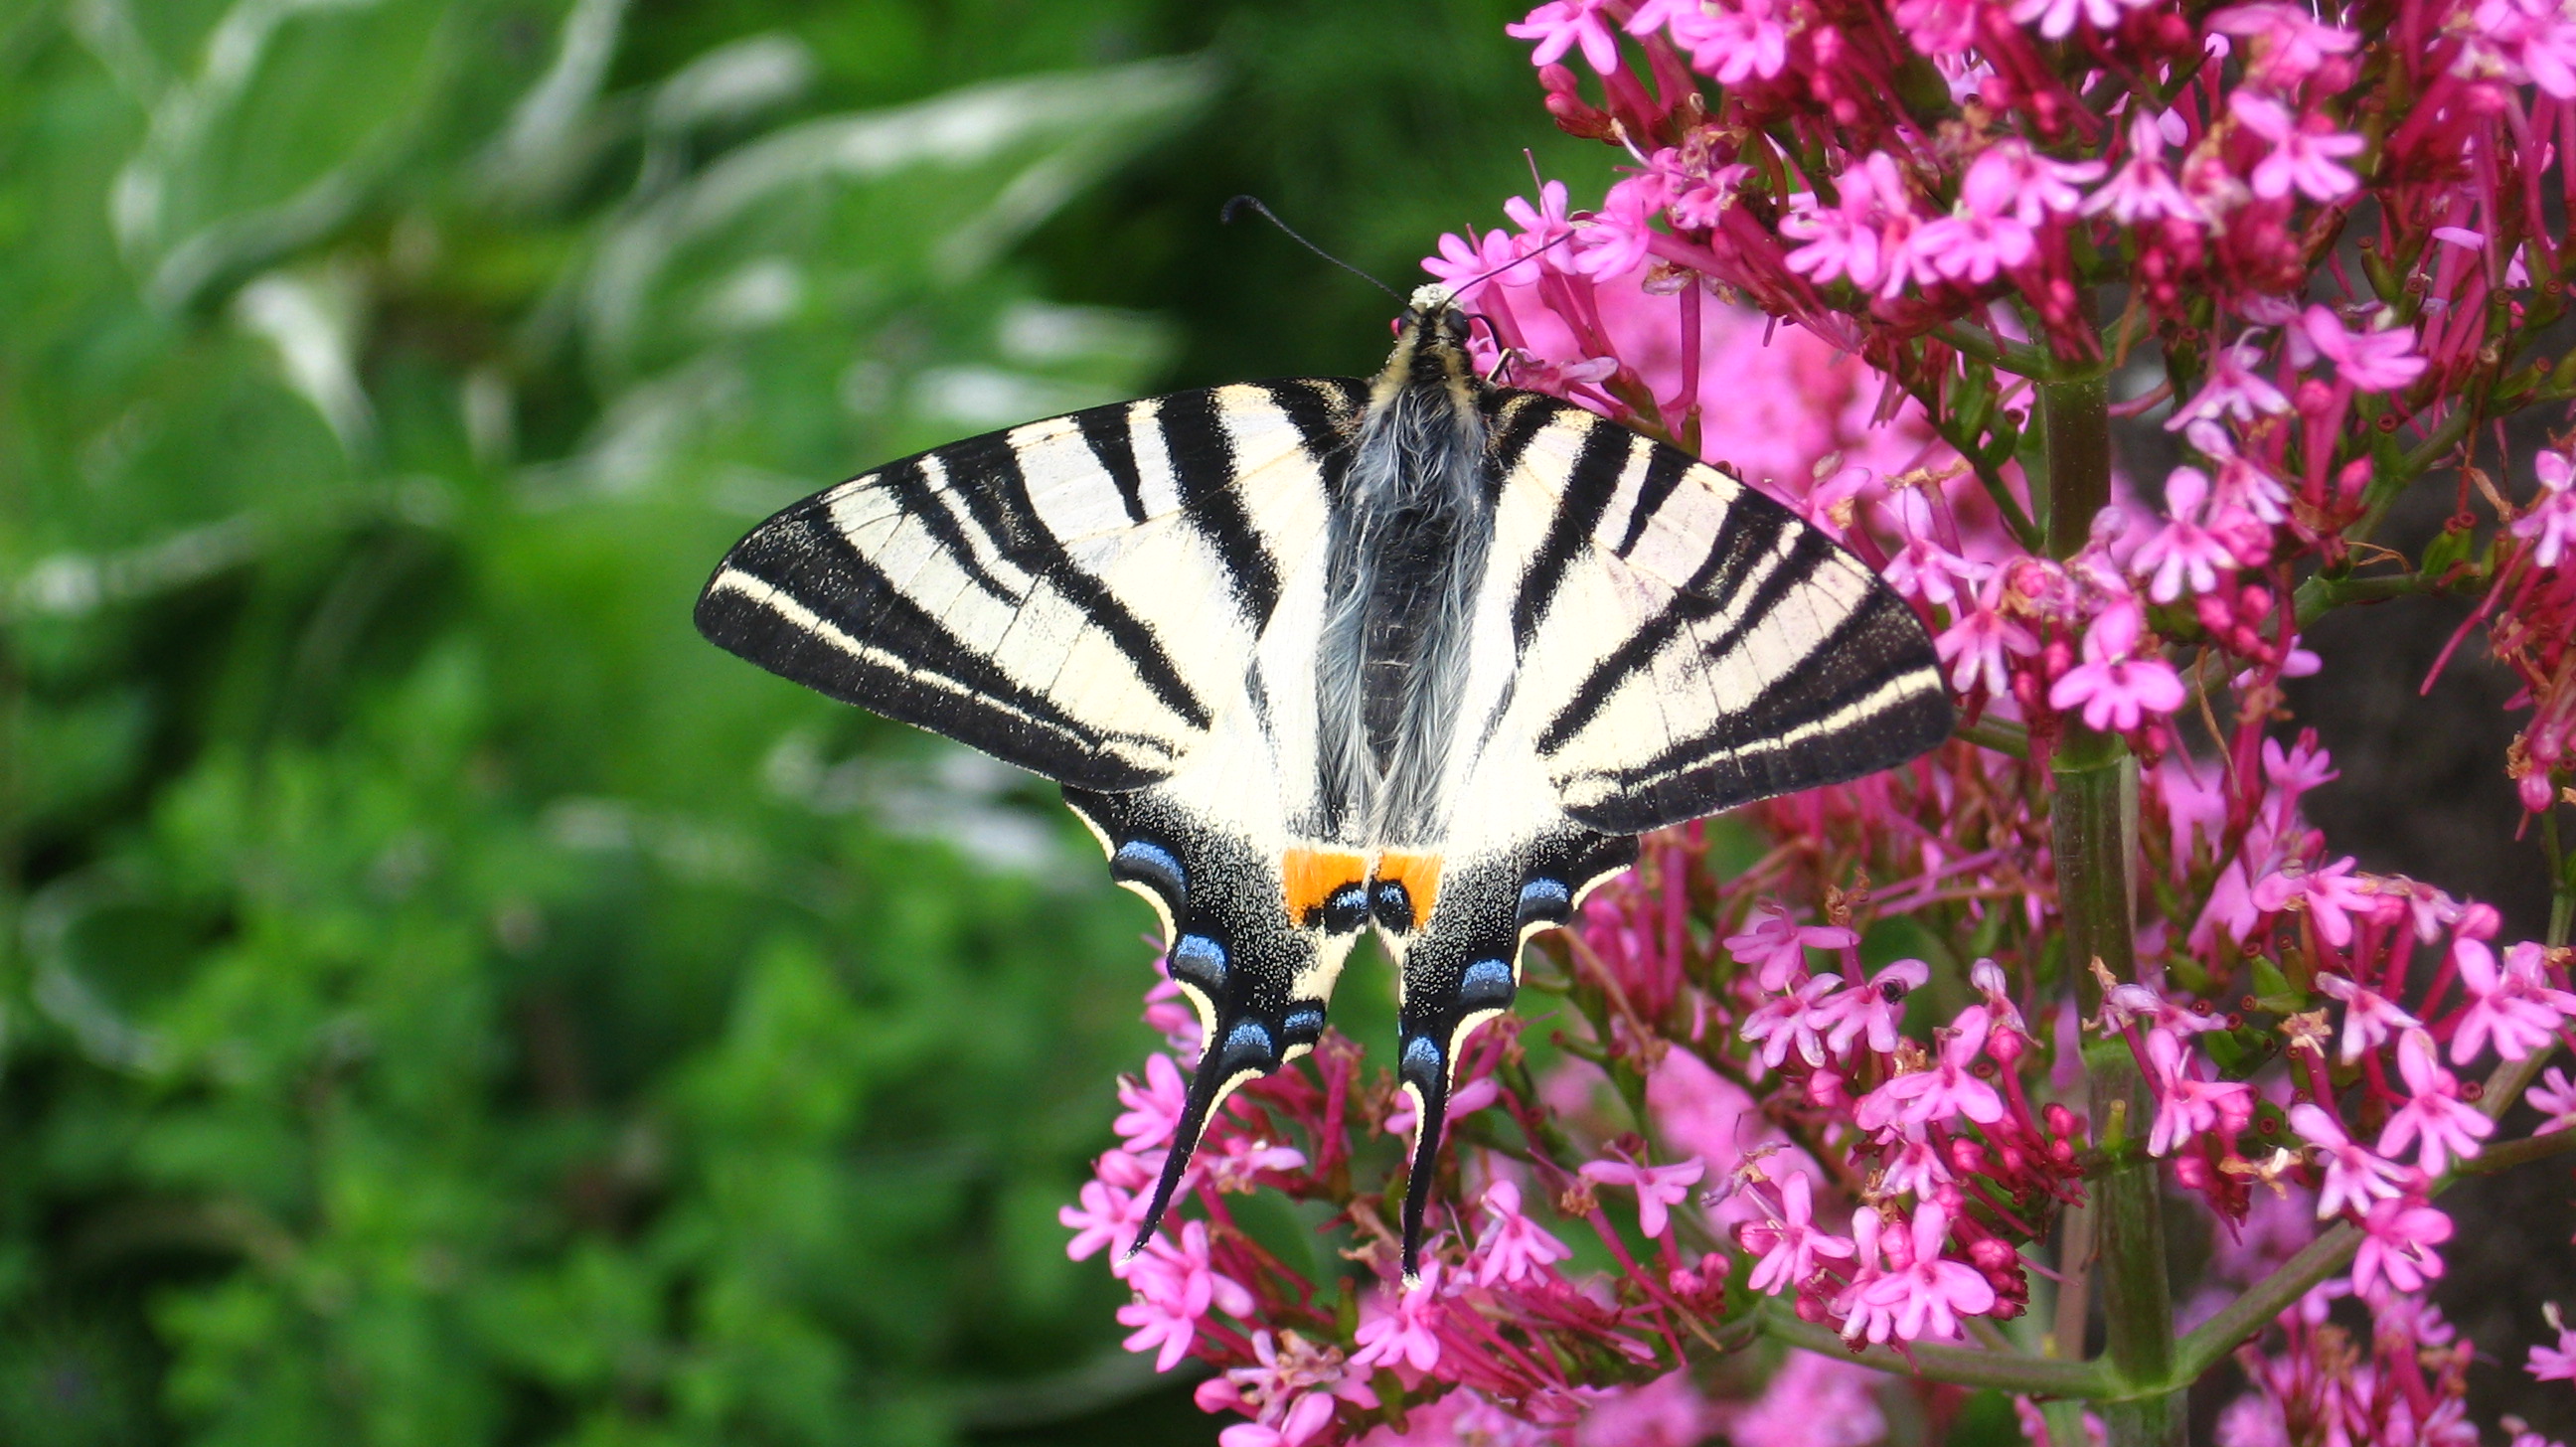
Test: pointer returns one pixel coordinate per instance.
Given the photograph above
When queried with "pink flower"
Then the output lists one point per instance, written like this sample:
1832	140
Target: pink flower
1513	1246
1789	1248
1928	1295
1542	227
2186	1106
1877	1009
1168	1012
2038	188
2115	690
2558	1363
2231	390
1776	945
1406	1331
1813	1400
2289	45
2354	1176
1793	1020
1917	1166
2241	481
1864	236
1154	1107
2434	1113
2293	772
1561	25
1623	230
1466	268
1924	568
1945	1091
2183	550
1658	1187
2143	190
1468	1099
2331	896
1731	43
1982	234
2369	1017
2528	41
1175	1286
2306	152
2550	521
2517	1008
2056	18
2375	361
2398	1237
1304	1418
1238	1161
1976	644
1104	1218
2554	1097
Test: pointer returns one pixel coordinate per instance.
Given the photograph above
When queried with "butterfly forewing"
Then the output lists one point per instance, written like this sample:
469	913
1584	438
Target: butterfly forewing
1077	596
1686	644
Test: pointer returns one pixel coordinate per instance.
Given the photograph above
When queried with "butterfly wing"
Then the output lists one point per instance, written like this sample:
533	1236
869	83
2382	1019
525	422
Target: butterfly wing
1686	643
1077	596
1125	600
1656	642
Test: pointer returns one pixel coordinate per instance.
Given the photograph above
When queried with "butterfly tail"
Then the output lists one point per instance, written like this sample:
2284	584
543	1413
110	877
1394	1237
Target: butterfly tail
1424	1075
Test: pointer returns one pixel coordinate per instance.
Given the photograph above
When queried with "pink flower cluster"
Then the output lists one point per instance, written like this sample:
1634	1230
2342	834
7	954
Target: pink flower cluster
1819	1072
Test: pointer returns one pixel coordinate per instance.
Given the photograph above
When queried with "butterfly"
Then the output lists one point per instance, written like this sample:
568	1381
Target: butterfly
1420	654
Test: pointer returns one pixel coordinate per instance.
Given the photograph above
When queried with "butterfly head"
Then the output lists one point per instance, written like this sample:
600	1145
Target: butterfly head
1434	312
1431	344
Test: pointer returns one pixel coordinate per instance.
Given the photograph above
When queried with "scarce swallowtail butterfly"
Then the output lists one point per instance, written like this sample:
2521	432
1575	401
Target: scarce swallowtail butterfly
1419	654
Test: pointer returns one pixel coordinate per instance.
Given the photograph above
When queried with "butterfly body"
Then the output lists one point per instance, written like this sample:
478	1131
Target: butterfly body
1419	655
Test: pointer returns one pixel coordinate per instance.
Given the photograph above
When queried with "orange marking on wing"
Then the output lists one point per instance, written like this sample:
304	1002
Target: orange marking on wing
1420	876
1309	877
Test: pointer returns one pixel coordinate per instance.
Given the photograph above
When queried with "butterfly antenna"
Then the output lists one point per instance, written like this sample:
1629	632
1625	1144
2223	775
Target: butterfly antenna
1537	251
1253	203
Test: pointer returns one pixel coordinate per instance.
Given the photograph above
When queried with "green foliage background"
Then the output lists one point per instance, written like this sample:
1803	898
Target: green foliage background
443	1001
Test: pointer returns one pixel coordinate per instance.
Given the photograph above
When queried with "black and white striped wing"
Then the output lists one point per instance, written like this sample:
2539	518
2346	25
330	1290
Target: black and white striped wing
1686	644
1077	596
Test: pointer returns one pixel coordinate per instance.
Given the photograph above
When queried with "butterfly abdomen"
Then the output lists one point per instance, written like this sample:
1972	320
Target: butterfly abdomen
1407	551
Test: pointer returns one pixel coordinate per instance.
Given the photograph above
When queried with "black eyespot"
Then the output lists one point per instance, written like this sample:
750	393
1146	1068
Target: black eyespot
1346	910
1394	906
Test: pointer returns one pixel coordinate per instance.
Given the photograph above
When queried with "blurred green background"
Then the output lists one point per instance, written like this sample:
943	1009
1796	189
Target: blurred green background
443	1001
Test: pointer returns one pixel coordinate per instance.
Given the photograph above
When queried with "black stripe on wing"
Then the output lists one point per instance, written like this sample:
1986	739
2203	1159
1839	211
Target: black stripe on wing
1583	499
1707	594
1203	467
862	641
1108	432
1861	696
985	473
1876	666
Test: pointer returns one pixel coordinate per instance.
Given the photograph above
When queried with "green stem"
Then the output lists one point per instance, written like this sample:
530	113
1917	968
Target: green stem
2094	824
2075	418
1960	1366
1999	734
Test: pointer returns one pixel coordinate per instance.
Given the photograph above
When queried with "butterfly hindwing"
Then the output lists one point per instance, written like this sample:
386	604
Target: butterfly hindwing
1077	596
1459	965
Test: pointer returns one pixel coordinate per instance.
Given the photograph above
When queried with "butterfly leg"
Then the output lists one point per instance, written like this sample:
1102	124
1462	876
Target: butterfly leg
1458	965
1256	940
